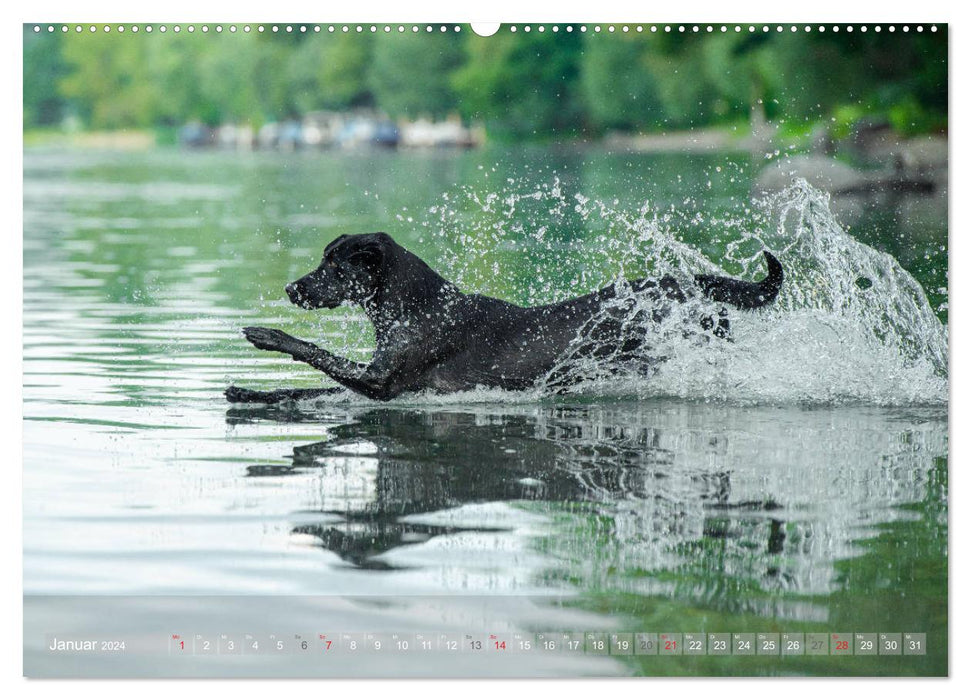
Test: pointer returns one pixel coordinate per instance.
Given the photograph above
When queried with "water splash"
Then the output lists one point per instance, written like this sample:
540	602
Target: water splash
850	324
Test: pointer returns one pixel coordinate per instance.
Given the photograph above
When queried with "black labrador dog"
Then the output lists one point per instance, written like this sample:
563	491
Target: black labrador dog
431	336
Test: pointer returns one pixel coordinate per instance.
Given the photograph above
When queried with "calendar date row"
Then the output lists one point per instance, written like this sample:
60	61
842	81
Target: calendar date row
591	643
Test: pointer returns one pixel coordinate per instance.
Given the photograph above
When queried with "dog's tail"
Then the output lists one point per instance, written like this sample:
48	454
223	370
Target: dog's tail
742	294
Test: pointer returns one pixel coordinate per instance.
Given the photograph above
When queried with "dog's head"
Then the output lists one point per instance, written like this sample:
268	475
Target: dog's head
352	270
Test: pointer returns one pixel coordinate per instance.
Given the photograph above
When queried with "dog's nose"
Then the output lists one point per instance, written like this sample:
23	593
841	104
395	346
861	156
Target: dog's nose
292	292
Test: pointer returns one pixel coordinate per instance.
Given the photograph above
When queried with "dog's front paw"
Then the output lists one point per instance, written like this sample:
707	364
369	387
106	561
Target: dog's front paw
235	394
270	339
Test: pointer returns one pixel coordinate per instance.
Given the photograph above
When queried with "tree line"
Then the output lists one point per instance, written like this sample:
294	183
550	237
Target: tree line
522	86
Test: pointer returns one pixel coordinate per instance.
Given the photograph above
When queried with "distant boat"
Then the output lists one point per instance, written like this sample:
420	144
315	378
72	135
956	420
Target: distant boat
366	131
324	129
196	135
290	136
424	133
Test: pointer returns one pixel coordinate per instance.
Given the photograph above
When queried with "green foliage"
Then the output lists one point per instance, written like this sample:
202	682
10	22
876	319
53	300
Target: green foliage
619	91
910	116
844	117
523	85
685	90
44	67
176	68
111	80
343	76
536	85
410	73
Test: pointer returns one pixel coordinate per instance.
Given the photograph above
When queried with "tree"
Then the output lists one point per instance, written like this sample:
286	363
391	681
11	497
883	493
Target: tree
410	74
343	77
110	79
619	92
44	67
523	85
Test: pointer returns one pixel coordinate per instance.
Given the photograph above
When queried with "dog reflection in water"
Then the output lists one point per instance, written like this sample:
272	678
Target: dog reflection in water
383	465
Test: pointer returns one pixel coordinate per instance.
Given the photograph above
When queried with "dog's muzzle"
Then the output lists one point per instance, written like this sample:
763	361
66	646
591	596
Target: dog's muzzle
296	296
305	299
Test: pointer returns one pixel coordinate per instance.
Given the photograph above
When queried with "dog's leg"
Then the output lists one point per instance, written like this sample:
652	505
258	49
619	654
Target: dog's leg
236	394
374	381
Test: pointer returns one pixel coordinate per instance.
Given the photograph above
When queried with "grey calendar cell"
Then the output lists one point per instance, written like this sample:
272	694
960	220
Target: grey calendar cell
270	644
352	642
425	642
865	644
204	645
792	644
229	644
645	644
378	643
177	644
450	643
840	644
743	644
500	643
767	644
670	644
596	643
891	644
522	643
475	643
300	643
549	641
621	644
694	644
720	644
254	644
401	643
915	644
573	642
817	644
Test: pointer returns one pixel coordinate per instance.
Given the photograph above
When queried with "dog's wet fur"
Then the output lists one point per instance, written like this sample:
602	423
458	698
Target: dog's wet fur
431	336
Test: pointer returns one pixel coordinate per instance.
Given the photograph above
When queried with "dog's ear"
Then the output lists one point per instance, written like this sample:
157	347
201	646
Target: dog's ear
334	243
370	251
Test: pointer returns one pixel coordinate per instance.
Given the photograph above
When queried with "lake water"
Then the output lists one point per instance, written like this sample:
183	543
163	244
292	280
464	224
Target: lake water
795	480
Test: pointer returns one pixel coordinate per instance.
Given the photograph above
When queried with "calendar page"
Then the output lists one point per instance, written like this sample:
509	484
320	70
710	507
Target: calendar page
525	349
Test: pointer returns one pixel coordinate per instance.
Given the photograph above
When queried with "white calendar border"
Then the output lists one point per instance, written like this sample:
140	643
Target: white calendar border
604	11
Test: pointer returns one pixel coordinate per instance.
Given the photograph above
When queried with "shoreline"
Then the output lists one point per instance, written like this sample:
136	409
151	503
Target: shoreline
727	139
